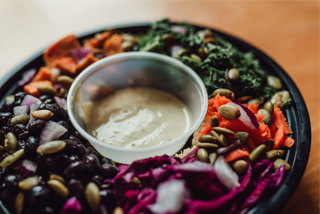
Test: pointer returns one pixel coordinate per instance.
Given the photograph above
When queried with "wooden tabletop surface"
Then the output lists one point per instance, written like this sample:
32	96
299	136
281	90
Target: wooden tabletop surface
288	31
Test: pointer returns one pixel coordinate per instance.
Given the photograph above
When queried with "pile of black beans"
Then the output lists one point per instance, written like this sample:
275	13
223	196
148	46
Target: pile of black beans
75	166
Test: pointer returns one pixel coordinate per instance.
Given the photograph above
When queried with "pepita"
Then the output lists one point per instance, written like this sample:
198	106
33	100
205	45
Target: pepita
11	143
223	131
257	152
127	45
28	183
207	33
214	121
202	53
65	81
184	52
20	119
61	93
280	99
51	147
279	162
216	135
258	101
7	161
118	210
224	92
273	154
274	82
168	39
2	149
209	40
57	177
136	181
59	188
233	74
240	166
244	99
269	107
212	158
224	140
229	112
47	90
18	205
10	98
207	145
42	114
207	138
267	116
196	57
93	195
243	137
202	155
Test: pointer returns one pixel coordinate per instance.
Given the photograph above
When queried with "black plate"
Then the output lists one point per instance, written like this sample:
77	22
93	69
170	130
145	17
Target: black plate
297	114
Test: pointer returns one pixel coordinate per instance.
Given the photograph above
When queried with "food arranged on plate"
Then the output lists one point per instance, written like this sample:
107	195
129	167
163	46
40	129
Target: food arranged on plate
234	158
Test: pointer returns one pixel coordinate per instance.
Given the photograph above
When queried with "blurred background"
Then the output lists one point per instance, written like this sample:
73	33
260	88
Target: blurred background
287	31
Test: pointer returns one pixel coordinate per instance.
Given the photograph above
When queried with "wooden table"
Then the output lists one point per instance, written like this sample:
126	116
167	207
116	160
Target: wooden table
288	31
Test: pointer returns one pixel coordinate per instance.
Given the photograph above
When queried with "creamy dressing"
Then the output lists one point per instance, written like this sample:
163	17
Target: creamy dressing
138	117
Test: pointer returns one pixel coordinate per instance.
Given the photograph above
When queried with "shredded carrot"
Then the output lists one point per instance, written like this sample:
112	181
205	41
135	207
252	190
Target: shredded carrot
246	148
278	138
259	117
98	40
251	144
253	107
220	101
32	88
288	141
43	74
235	154
280	120
273	129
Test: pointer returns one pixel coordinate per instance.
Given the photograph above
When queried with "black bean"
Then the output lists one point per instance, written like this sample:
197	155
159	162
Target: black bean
75	188
74	170
21	144
46	97
24	135
71	146
48	160
91	150
71	128
59	113
78	135
68	159
107	160
11	181
107	198
97	179
91	162
108	170
19	129
3	155
82	150
19	96
4	117
5	130
38	195
72	137
7	196
7	106
35	127
31	146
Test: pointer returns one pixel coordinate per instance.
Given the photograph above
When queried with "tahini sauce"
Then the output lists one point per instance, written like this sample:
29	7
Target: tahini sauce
138	117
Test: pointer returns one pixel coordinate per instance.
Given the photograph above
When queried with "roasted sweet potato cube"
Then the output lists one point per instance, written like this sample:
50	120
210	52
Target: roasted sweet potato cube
67	66
98	40
88	60
113	45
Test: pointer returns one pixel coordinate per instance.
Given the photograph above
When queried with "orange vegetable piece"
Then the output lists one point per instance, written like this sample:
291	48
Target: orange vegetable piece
251	144
235	154
246	148
113	45
67	66
278	138
273	129
206	128
44	73
259	117
288	141
32	88
219	101
98	40
60	49
280	120
253	107
88	60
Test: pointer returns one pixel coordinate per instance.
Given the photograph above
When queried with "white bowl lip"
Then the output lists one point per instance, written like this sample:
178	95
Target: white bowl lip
150	56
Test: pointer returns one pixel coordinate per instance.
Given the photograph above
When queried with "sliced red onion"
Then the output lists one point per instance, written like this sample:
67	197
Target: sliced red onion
171	196
27	77
21	110
55	73
175	51
29	100
225	174
247	117
72	206
196	166
51	131
57	86
28	168
61	102
80	53
179	29
33	108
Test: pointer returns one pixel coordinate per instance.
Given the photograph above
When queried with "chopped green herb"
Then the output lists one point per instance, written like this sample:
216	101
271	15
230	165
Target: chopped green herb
47	101
18	102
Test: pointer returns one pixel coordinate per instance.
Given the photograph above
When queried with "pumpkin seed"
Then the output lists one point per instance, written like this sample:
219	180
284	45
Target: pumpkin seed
269	107
20	119
202	53
274	82
168	39
196	57
269	144
11	143
42	114
202	155
208	33
244	99
7	161
135	181
224	140
224	92
10	98
61	93
183	52
279	162
18	205
207	145
92	193
223	131
127	45
59	188
214	121
209	40
51	147
65	81
28	183
207	138
243	137
258	101
280	99
267	116
118	210
212	158
240	166
273	154
47	90
57	177
233	74
229	112
257	152
2	149
216	135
